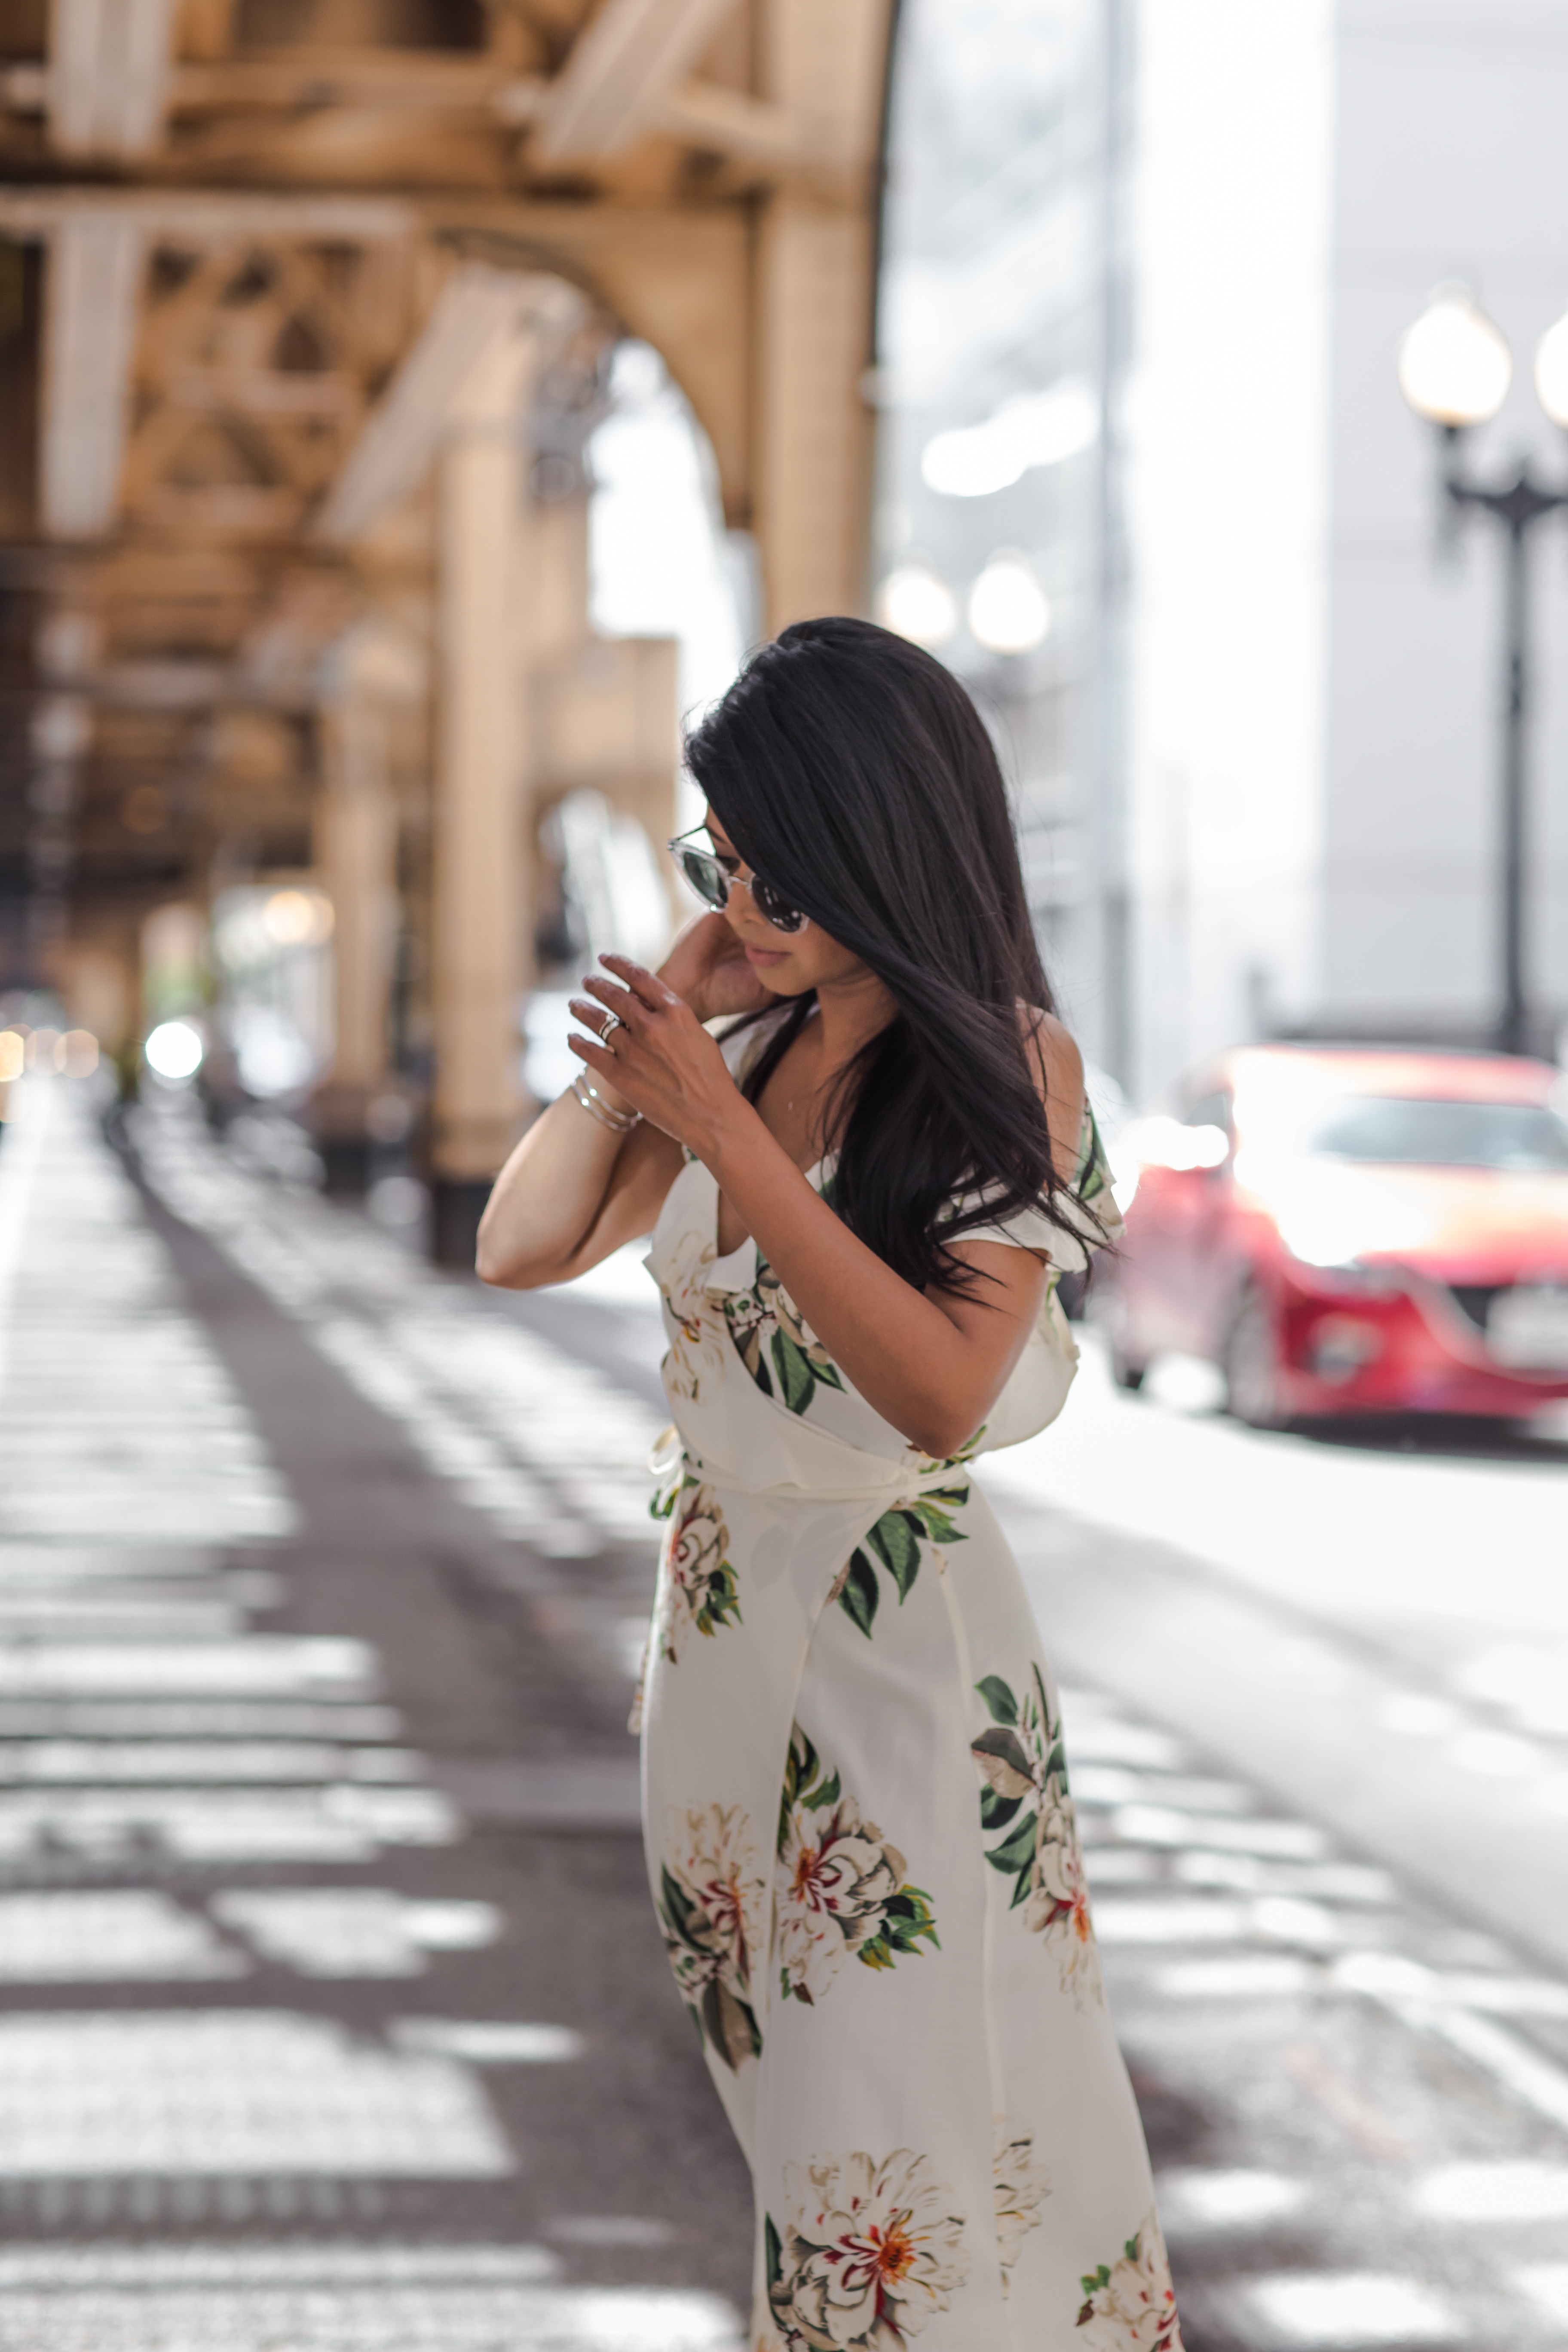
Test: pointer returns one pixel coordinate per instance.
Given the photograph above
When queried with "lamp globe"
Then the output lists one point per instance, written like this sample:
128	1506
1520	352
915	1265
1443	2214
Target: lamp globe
1551	371
1455	368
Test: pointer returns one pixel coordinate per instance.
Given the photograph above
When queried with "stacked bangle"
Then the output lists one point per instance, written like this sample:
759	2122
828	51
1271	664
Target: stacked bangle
619	1122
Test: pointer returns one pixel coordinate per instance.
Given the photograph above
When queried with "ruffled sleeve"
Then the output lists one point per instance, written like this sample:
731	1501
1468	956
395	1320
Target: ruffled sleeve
1089	1208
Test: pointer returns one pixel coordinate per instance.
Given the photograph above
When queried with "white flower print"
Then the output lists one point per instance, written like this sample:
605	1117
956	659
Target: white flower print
1021	2184
832	1884
1057	1904
697	1585
836	1878
1130	2305
699	1353
713	1909
840	1891
870	2252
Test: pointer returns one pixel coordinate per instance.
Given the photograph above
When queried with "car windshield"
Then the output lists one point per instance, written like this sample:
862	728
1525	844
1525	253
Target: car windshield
1410	1131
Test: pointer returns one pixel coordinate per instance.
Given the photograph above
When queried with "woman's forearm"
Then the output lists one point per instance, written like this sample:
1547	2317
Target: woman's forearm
933	1373
553	1191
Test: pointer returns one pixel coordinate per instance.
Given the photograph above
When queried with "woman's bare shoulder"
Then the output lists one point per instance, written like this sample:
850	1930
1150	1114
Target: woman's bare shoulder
1061	1063
1058	1068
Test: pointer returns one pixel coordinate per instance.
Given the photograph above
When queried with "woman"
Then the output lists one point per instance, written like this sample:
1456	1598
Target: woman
861	1194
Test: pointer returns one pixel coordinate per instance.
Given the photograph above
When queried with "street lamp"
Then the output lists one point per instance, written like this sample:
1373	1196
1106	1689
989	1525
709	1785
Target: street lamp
1454	369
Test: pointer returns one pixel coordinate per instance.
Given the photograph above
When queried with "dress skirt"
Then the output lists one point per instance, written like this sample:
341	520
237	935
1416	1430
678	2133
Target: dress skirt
862	1851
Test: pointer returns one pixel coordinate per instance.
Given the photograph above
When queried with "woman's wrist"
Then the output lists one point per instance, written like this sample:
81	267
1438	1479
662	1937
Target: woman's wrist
604	1092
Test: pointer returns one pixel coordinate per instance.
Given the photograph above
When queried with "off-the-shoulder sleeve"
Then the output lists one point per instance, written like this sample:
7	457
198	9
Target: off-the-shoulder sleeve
1089	1208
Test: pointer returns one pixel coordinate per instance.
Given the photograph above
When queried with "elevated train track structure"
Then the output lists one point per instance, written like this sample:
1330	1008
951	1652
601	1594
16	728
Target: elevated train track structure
304	314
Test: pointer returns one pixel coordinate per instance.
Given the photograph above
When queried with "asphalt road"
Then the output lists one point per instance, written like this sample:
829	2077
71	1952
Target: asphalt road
331	2010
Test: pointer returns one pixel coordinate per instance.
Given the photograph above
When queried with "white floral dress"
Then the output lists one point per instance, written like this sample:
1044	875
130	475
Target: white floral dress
861	1845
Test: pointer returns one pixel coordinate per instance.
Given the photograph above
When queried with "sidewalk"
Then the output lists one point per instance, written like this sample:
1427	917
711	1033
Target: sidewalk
345	2021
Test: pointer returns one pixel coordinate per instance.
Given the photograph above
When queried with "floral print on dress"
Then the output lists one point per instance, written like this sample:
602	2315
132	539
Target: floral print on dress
697	1588
780	1352
840	1892
871	2249
712	1906
1024	1767
698	1348
855	2008
1021	2186
895	1544
1130	2305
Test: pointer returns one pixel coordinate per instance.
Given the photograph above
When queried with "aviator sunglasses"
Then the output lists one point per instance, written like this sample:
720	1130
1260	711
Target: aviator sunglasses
713	884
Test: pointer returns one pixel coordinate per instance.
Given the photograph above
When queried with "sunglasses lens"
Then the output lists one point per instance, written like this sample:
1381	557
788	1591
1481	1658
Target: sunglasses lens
774	908
706	876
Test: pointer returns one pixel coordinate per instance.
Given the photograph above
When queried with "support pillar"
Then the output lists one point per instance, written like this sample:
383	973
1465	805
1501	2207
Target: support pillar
356	859
481	883
813	323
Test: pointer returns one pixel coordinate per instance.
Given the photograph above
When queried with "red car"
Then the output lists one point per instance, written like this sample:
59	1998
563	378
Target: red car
1351	1231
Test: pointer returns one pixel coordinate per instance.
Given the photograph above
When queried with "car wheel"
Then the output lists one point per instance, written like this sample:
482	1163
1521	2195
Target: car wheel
1126	1374
1252	1386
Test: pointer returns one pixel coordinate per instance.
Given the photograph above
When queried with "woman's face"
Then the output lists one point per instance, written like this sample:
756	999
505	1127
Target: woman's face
787	962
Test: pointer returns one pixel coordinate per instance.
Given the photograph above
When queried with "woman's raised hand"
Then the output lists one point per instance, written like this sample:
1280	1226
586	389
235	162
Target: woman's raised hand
707	967
657	1055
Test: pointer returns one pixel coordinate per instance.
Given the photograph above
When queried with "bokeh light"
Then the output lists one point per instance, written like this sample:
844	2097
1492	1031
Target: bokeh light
298	918
917	604
1009	611
174	1049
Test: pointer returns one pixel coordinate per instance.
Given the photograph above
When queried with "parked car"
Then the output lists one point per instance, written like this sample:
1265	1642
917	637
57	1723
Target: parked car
1351	1231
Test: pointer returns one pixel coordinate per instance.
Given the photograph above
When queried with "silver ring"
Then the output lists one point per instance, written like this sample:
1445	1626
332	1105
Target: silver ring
612	1020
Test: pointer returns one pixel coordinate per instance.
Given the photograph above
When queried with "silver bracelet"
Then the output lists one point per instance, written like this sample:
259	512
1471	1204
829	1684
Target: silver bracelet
619	1122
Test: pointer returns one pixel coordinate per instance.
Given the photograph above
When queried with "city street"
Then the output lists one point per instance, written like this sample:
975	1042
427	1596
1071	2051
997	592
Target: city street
335	2013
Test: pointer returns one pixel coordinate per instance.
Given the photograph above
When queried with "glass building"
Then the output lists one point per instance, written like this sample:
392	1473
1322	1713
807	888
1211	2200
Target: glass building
996	536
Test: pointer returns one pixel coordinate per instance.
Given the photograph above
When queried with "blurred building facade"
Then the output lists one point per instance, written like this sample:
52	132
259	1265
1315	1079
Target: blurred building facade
1001	341
1263	735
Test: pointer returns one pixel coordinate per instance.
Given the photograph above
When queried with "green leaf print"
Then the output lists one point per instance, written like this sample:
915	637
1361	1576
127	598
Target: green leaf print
860	1596
1004	1706
797	1382
729	2025
1017	1852
674	1908
772	2251
774	1345
804	1783
897	1542
1025	1807
908	1918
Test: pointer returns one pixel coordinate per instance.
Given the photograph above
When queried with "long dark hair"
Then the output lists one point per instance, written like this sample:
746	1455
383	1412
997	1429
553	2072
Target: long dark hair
854	772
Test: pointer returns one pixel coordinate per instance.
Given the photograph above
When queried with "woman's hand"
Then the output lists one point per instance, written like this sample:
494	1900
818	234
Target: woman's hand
707	967
658	1056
